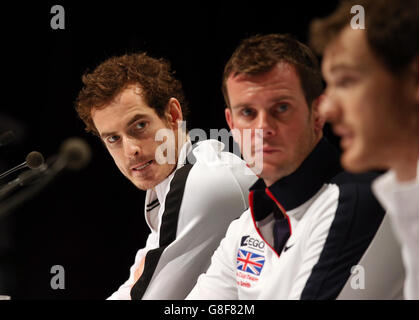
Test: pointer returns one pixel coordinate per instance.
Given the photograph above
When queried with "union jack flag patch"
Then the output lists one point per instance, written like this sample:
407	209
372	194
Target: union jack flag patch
250	262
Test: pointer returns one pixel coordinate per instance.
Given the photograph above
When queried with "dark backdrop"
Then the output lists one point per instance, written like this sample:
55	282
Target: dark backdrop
91	222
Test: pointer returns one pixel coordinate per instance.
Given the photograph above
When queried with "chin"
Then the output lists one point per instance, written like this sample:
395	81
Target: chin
154	178
144	185
272	175
356	163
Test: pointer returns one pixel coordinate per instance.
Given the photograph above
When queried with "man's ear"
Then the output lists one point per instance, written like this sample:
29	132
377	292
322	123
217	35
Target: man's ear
318	119
234	132
174	113
229	118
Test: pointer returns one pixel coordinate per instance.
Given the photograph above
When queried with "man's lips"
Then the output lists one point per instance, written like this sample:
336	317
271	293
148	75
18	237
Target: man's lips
342	131
267	150
346	135
270	150
141	166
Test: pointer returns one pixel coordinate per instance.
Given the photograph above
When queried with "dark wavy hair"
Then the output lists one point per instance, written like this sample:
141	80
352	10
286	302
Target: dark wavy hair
392	29
110	78
260	53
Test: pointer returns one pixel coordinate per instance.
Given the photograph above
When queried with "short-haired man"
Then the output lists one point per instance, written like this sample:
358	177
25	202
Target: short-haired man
134	104
306	226
372	100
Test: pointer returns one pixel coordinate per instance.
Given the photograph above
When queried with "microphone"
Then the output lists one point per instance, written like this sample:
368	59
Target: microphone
6	138
74	154
23	179
33	160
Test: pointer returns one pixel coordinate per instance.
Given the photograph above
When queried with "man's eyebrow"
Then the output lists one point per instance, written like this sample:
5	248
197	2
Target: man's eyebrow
282	98
344	67
241	105
134	118
274	100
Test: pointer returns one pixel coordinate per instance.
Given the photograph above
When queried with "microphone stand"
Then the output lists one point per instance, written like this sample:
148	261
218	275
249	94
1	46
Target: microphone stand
74	155
30	191
4	174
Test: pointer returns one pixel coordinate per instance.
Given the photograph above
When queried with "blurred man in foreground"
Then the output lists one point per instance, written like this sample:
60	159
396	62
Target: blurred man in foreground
372	100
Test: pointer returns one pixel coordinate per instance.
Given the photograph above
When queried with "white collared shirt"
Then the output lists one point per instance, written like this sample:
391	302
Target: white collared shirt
401	199
333	217
216	192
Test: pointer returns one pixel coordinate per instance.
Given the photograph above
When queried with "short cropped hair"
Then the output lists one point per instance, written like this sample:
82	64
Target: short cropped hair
110	78
392	29
260	53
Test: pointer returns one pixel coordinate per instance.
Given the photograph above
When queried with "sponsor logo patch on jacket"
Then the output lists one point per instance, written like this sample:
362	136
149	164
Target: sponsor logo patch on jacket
248	241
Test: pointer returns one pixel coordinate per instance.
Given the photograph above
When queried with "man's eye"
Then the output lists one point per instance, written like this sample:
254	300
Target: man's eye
112	139
344	82
282	108
246	112
140	125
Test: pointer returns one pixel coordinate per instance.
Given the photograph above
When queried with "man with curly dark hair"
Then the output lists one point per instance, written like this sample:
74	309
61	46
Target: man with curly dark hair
136	106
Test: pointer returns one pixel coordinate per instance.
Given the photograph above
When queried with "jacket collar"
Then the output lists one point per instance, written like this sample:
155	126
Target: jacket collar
159	191
295	189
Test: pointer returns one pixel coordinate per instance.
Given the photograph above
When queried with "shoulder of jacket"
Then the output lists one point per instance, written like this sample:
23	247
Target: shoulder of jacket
210	154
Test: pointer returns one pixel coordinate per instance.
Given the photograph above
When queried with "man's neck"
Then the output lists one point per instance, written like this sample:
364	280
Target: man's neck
404	160
269	181
180	143
406	169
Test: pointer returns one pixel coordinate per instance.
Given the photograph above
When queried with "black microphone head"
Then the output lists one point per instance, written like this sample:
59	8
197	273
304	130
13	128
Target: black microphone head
76	152
34	160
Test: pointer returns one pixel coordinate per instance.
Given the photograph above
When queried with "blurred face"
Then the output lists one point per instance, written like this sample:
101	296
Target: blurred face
128	128
274	102
364	103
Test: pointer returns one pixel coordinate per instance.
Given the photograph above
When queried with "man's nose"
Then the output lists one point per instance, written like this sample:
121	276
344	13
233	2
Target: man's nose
131	147
329	108
267	123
